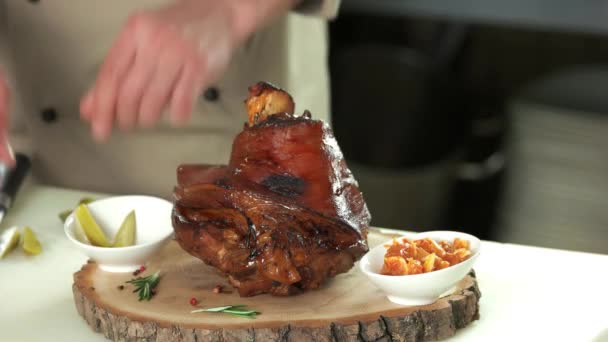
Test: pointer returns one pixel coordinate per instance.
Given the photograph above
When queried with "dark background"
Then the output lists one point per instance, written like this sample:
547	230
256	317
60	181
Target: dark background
423	109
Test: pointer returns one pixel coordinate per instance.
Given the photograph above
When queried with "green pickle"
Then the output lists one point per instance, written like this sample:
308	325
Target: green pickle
64	214
30	244
86	200
8	241
88	231
91	229
126	234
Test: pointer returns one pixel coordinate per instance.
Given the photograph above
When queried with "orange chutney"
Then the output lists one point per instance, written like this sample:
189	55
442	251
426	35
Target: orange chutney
408	257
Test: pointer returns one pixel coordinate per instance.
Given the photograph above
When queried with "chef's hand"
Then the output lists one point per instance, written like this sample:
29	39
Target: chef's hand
164	58
6	153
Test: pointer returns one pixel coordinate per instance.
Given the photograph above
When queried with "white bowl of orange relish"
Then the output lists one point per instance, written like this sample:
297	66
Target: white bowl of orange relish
419	268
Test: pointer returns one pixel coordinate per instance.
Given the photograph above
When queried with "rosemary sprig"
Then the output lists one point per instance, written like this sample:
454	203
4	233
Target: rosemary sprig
145	286
235	310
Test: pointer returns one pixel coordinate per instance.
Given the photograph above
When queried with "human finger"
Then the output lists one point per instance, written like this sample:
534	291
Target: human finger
158	91
104	96
187	88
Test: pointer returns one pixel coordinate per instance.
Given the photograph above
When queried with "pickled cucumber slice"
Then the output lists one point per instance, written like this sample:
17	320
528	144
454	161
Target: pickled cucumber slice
79	233
8	241
91	229
30	244
126	235
64	214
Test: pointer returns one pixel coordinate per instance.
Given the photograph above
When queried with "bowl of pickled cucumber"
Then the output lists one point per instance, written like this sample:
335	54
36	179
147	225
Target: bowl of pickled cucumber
120	233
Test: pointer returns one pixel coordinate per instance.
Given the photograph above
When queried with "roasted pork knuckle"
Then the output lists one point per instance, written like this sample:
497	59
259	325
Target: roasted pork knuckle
285	215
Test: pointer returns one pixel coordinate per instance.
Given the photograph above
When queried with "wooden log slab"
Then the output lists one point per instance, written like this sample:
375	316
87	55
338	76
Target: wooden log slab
348	308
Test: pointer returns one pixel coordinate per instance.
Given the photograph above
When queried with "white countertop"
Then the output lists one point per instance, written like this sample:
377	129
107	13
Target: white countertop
528	293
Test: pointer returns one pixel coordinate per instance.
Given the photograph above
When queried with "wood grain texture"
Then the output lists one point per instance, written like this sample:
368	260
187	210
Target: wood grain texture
349	308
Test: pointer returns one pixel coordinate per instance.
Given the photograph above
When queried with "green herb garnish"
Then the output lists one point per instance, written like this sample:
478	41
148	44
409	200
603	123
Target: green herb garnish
235	310
145	286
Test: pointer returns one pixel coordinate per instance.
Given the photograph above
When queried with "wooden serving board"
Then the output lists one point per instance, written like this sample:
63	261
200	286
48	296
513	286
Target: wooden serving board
348	308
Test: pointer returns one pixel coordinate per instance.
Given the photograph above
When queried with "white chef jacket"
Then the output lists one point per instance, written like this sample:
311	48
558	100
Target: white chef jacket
52	52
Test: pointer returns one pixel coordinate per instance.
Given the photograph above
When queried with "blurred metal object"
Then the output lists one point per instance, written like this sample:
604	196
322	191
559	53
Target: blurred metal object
482	170
547	15
477	192
557	184
407	199
406	99
398	117
11	180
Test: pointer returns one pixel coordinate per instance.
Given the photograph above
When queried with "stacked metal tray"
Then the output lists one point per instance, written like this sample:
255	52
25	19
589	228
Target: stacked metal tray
557	185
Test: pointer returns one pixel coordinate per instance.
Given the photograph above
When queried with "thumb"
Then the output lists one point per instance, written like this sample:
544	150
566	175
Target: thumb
6	152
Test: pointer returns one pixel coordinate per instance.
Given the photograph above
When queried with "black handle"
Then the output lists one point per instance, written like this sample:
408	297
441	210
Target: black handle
13	179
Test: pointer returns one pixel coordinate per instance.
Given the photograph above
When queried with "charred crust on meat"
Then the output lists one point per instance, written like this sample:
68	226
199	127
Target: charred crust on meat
254	254
285	185
250	234
222	182
295	237
281	120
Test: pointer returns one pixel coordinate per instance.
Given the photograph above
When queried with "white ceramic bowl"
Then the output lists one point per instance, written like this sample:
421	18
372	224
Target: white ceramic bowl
419	289
154	229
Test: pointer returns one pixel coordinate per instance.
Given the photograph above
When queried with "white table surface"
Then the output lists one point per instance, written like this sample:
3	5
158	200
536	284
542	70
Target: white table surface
528	293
